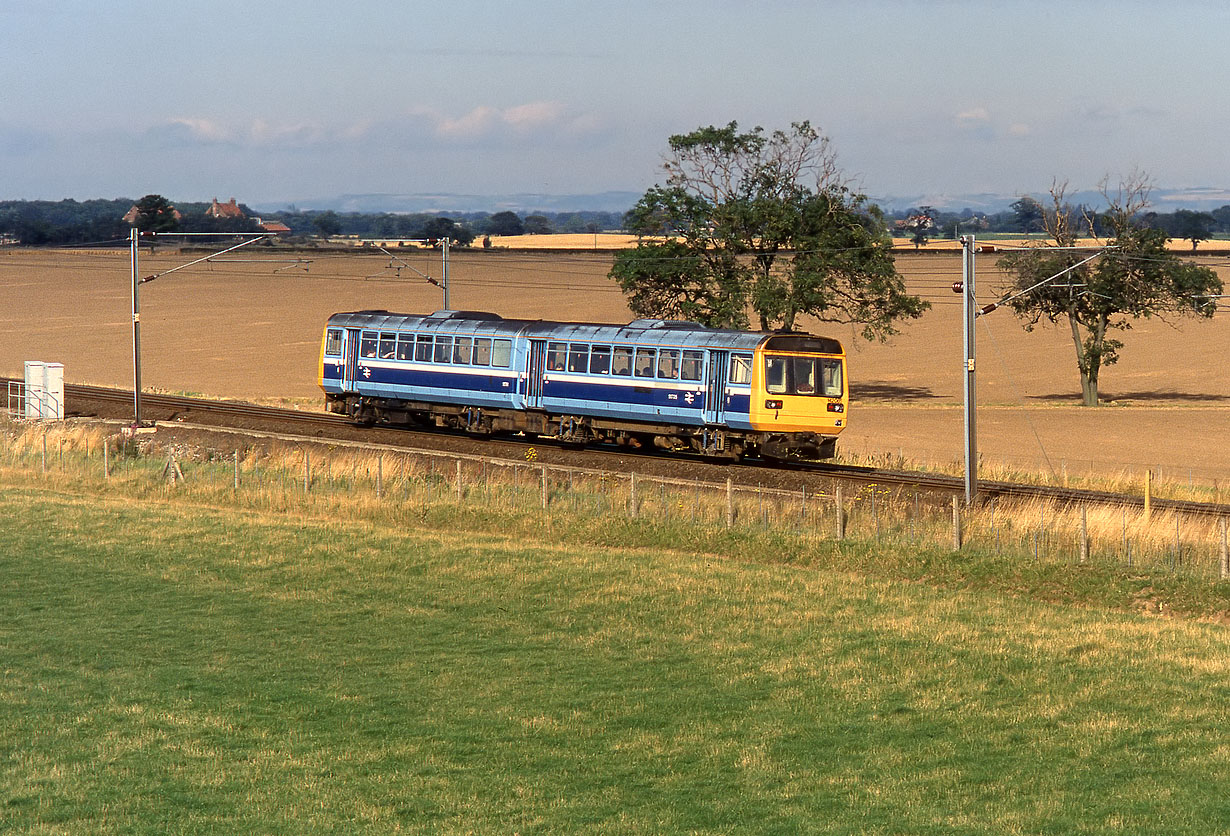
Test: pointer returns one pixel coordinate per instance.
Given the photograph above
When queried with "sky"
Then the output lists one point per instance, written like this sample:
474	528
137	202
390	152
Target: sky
305	99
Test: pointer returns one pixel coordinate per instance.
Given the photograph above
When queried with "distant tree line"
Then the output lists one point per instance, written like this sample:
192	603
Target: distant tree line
1026	216
55	223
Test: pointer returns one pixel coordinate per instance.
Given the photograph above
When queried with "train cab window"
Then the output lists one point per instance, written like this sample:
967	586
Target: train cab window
388	346
775	375
422	348
405	346
444	349
803	375
482	351
600	360
621	361
367	345
644	362
333	342
557	357
668	363
461	350
830	377
740	369
578	358
693	361
501	353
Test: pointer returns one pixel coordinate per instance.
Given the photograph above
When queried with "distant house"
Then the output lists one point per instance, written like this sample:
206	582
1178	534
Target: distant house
224	210
130	217
272	227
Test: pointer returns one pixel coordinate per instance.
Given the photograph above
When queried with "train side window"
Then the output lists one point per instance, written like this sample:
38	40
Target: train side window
621	361
741	369
693	361
482	351
333	342
444	349
775	375
600	360
367	345
405	346
388	346
557	357
422	348
578	357
830	377
501	353
668	363
461	350
644	362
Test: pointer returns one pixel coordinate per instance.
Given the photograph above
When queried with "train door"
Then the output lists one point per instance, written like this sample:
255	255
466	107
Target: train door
715	388
534	372
350	359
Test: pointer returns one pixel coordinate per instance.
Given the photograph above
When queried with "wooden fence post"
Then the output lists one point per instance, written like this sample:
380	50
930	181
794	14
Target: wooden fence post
237	471
839	504
1224	571
307	471
1084	544
633	502
459	485
730	502
106	459
956	523
545	496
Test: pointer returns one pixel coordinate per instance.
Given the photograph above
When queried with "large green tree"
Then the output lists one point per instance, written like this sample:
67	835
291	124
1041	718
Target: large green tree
155	214
1135	277
747	217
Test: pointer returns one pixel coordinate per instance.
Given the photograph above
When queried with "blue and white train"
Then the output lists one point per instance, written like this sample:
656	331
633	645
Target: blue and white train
670	384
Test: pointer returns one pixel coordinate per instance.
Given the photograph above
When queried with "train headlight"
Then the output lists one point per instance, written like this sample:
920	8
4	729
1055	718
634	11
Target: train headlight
772	404
837	406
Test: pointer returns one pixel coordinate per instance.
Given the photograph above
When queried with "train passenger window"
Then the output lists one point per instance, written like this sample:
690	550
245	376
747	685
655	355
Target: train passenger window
422	348
388	346
482	351
461	350
644	362
333	342
405	346
741	369
830	377
444	349
668	363
367	345
600	360
578	357
775	375
557	356
621	361
501	353
693	361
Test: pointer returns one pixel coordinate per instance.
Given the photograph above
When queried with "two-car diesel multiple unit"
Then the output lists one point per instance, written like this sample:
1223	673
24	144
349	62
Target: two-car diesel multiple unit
674	385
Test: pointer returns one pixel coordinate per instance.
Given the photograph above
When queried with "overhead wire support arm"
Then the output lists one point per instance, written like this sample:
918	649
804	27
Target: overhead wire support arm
986	309
150	278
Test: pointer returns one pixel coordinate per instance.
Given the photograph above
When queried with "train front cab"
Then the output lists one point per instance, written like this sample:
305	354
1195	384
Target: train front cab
800	395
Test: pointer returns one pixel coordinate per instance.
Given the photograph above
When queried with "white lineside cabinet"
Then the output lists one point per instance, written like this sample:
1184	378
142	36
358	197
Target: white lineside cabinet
44	391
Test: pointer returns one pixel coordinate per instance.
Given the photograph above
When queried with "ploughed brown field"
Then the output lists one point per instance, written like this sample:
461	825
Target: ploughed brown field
248	326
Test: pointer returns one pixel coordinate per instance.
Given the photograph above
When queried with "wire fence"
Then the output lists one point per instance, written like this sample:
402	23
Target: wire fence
356	481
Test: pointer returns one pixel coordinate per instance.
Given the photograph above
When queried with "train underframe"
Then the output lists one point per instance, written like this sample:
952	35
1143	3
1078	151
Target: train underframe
717	442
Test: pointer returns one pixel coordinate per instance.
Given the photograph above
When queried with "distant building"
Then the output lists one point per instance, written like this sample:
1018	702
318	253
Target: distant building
224	210
130	217
272	227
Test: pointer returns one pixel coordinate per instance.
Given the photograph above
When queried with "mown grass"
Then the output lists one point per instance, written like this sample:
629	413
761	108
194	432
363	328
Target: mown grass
174	665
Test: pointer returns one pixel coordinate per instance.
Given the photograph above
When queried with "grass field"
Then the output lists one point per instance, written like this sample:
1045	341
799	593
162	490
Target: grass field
187	664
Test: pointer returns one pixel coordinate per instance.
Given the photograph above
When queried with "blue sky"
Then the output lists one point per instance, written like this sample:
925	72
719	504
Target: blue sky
289	101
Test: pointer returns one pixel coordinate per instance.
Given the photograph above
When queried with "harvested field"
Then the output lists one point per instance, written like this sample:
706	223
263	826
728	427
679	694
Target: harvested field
248	327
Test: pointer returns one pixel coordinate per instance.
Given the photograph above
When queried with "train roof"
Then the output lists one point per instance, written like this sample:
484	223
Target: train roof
656	331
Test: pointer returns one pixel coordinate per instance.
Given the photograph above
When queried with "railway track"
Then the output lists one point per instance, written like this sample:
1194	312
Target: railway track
320	424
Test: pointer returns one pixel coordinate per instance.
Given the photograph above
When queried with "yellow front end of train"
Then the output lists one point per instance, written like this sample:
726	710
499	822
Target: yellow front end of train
799	385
